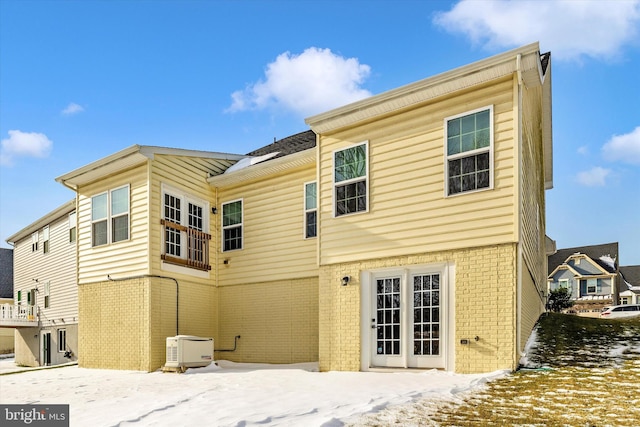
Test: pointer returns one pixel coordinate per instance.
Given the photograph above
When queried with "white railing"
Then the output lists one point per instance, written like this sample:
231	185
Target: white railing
18	313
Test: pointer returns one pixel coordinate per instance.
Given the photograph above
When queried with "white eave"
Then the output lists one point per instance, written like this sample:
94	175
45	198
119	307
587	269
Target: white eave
128	158
257	171
52	216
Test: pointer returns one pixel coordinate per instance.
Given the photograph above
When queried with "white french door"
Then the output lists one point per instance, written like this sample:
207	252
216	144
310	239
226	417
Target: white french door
408	319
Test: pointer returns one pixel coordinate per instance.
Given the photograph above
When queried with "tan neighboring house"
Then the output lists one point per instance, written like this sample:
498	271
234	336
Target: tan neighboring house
406	230
44	311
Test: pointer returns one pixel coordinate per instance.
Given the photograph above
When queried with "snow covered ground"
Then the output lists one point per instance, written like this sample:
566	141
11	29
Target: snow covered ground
229	394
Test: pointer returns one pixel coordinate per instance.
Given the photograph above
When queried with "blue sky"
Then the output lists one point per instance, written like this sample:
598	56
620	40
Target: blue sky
80	80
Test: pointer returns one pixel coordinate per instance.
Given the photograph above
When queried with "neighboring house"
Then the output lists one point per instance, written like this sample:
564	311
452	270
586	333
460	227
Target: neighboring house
591	275
44	313
406	230
6	297
630	290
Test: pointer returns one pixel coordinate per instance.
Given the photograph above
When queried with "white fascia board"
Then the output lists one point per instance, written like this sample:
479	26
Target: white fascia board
47	219
457	79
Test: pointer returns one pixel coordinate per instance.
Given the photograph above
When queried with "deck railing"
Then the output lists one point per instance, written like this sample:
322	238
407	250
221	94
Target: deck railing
15	313
196	248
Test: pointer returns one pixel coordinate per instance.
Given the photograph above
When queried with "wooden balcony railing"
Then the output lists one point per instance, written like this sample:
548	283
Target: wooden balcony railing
196	246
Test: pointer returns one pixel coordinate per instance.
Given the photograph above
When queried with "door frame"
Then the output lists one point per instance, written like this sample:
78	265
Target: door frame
367	279
44	349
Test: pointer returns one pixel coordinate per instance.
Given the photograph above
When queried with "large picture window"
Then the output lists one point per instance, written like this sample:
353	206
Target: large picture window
110	216
469	147
350	174
232	225
310	210
185	219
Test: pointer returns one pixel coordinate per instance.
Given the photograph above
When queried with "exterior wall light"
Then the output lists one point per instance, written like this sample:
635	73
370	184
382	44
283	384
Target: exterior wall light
345	280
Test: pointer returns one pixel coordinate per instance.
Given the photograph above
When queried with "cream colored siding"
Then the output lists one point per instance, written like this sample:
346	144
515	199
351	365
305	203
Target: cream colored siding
56	267
125	258
274	247
408	210
189	175
532	307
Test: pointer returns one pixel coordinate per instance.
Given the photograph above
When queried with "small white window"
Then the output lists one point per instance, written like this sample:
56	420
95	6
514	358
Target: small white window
62	340
469	151
232	222
46	291
72	227
34	242
45	239
350	180
310	210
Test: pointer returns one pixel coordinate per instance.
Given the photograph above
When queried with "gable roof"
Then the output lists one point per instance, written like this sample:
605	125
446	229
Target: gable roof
47	219
595	252
631	275
291	144
6	273
134	156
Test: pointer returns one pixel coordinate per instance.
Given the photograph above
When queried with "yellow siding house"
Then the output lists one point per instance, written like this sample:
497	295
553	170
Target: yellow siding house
431	219
403	231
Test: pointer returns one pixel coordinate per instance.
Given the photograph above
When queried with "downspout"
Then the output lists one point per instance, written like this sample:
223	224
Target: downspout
155	276
520	213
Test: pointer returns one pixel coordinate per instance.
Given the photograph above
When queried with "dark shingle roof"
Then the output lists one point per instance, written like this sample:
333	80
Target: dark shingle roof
594	252
631	274
289	145
6	273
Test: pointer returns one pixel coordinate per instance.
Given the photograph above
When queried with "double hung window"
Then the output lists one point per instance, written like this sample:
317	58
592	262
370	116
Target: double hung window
110	216
72	227
232	219
45	240
469	148
62	340
185	220
350	175
310	210
34	241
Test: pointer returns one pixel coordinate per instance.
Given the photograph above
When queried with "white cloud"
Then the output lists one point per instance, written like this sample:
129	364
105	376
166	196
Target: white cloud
624	148
570	29
594	177
24	144
584	150
310	83
72	108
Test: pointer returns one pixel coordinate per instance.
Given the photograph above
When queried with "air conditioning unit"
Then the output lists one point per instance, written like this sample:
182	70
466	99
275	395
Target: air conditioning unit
187	351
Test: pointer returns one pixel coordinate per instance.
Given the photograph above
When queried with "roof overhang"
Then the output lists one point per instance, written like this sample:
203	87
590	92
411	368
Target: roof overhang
128	158
52	216
266	168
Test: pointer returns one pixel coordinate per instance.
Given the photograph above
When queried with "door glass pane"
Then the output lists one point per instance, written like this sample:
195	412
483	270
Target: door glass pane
426	315
388	316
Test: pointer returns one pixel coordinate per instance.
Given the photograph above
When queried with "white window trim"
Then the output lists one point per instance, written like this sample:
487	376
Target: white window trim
72	225
185	199
305	210
62	344
109	217
222	226
469	153
349	181
46	240
47	295
34	242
